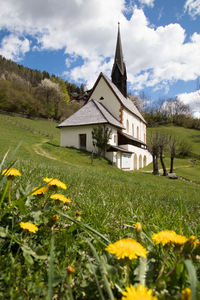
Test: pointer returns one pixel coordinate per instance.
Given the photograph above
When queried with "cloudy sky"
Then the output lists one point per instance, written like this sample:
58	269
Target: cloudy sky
76	40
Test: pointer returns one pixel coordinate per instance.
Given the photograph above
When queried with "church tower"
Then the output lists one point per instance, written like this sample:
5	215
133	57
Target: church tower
119	68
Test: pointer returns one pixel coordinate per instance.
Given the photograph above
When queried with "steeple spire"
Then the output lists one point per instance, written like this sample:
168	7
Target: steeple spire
119	68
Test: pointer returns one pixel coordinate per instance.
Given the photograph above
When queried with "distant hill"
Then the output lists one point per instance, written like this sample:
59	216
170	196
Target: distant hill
34	93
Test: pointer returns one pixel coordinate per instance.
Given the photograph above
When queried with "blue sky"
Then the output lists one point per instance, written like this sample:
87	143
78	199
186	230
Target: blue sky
76	39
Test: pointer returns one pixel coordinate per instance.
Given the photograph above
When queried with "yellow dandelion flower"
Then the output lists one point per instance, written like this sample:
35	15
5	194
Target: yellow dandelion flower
40	191
60	197
180	239
11	172
138	227
186	294
55	183
127	248
165	237
138	293
29	226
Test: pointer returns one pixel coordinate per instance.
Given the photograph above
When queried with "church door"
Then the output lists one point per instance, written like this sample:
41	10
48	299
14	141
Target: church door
140	161
82	141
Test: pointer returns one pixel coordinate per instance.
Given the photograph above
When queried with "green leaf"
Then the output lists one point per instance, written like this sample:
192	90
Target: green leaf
3	232
192	277
26	249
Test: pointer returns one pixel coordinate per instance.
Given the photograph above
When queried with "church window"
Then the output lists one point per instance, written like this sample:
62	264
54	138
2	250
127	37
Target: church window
137	132
127	126
115	139
132	129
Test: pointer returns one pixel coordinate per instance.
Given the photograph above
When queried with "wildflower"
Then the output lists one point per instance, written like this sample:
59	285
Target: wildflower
78	213
138	293
11	173
53	182
193	241
55	218
70	269
138	227
40	191
60	197
186	294
168	236
29	226
127	248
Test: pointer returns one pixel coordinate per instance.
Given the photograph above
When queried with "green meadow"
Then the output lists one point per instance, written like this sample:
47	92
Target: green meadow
110	201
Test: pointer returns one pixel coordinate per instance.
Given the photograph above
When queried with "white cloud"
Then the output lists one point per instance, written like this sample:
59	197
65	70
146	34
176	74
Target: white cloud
14	48
147	2
155	56
192	7
193	100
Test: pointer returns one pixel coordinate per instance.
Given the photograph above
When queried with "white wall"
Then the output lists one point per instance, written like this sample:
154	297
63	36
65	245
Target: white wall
134	120
110	101
139	152
69	136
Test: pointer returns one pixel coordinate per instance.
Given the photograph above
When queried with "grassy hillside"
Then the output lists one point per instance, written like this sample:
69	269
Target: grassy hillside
40	150
111	201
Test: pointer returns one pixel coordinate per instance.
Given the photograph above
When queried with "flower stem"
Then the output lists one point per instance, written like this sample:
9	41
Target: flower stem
9	195
128	265
4	192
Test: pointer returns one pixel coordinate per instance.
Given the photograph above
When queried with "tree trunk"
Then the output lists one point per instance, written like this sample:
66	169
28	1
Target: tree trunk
171	164
155	165
163	164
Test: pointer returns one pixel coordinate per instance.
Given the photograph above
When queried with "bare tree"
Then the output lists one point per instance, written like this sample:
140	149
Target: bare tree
173	142
162	142
153	147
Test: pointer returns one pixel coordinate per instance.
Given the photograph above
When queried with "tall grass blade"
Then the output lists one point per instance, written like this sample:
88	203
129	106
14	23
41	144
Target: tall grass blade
3	160
103	272
85	227
51	270
97	281
192	277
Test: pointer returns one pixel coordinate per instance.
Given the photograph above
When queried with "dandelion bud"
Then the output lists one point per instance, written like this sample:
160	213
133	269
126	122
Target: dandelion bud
138	227
70	269
55	218
78	215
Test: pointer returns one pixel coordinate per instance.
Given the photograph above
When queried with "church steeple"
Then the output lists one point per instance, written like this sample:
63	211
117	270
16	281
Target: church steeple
119	68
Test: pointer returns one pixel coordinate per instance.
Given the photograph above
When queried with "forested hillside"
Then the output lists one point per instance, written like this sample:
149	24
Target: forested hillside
34	93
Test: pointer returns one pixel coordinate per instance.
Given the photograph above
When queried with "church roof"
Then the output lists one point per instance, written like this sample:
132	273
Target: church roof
119	55
91	113
126	102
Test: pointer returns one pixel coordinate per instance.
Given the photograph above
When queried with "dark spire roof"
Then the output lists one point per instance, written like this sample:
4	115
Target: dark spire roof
119	68
118	53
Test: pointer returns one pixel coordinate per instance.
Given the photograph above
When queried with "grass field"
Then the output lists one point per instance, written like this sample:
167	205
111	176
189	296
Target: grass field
111	201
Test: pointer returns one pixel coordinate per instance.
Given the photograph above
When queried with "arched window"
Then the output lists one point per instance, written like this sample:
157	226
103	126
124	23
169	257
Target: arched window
140	161
137	132
127	126
132	129
144	161
135	162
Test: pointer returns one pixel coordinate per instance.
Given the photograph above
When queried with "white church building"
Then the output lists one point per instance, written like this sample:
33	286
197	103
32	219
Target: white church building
109	105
